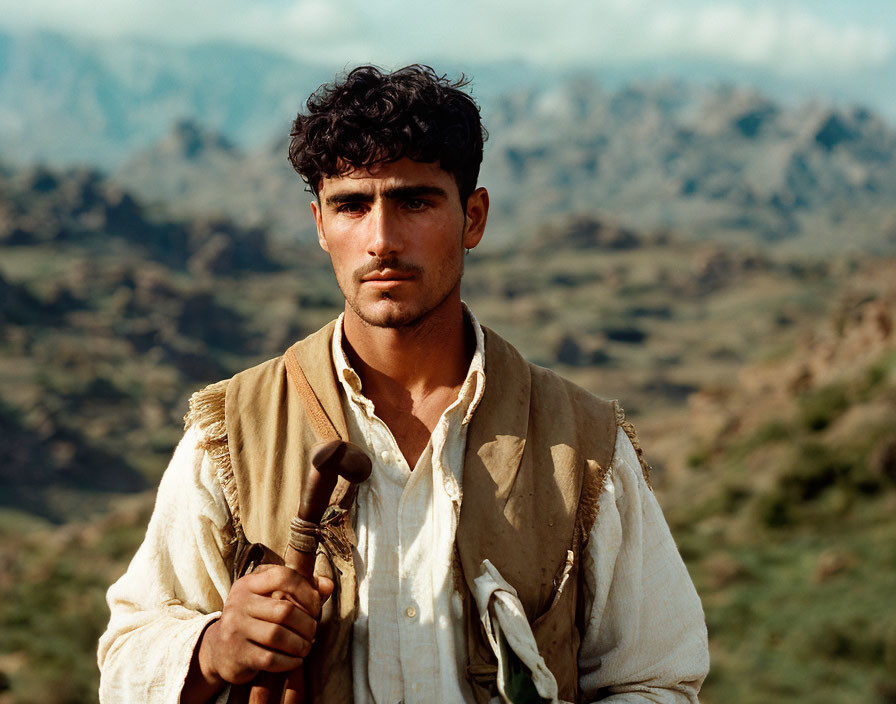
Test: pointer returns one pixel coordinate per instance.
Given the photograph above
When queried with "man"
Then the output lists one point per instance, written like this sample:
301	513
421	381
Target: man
506	545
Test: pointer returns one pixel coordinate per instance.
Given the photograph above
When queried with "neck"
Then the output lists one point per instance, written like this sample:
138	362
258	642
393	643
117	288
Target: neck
432	354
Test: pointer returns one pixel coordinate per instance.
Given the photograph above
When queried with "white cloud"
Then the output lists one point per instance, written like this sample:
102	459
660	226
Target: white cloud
785	36
790	39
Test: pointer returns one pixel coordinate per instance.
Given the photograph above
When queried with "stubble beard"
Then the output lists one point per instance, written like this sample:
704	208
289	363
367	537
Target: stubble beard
394	317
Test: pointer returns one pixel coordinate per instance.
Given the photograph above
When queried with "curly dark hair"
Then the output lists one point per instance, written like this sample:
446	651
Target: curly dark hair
371	117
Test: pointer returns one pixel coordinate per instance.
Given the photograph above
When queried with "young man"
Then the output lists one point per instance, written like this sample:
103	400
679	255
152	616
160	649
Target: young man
506	544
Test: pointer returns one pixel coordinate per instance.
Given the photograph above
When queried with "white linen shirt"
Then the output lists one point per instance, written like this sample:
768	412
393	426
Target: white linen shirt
645	639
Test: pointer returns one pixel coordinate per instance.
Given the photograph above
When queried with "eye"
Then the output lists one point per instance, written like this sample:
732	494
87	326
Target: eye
416	204
351	208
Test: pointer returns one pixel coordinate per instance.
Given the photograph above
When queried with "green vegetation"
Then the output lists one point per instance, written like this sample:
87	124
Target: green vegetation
52	605
781	491
806	617
797	575
819	408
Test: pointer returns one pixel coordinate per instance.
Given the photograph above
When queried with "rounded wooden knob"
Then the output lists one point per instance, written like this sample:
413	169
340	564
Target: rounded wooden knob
344	458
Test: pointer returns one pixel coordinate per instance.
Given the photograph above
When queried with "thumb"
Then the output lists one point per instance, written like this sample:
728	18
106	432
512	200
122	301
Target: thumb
325	587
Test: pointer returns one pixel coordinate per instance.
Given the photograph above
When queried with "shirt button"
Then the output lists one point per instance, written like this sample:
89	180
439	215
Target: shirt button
385	455
411	612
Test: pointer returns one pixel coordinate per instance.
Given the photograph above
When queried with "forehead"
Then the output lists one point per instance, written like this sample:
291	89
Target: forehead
404	172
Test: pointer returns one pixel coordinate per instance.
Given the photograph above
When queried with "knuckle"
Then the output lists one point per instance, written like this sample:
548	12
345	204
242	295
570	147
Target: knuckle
266	660
242	586
262	580
283	611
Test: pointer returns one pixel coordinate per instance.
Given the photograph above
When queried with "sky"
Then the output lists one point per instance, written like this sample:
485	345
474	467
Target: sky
787	37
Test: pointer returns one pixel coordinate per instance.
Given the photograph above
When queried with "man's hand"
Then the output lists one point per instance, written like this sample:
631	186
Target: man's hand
257	631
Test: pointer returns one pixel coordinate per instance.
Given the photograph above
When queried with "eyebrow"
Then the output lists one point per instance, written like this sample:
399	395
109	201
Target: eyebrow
397	193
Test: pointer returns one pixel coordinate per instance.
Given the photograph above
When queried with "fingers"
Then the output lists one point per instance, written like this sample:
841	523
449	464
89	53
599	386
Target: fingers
258	632
232	655
258	659
283	614
277	639
325	587
238	627
283	579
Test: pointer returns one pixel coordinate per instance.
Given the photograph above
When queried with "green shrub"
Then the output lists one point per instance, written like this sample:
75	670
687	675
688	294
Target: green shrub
815	470
819	408
771	432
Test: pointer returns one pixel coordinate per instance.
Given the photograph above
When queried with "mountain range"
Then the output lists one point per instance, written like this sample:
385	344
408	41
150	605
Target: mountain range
203	129
720	163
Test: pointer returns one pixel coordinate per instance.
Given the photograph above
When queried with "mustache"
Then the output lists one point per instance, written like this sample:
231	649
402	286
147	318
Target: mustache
382	263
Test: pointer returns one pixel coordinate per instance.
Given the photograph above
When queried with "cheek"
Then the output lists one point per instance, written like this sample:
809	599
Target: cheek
339	244
340	256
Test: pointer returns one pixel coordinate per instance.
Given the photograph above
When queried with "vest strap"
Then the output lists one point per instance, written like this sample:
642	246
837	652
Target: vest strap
320	421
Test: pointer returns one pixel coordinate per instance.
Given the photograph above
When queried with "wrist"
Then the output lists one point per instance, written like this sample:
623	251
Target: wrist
203	682
206	655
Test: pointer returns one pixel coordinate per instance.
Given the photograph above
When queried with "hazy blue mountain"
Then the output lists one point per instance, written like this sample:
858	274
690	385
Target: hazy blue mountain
65	100
68	100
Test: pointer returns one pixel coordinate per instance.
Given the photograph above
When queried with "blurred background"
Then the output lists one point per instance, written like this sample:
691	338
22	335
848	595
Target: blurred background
693	210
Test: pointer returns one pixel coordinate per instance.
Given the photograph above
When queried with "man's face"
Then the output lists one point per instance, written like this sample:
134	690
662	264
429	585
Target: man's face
396	235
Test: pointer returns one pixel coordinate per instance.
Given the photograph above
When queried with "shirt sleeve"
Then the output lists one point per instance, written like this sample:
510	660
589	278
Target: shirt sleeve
645	638
174	587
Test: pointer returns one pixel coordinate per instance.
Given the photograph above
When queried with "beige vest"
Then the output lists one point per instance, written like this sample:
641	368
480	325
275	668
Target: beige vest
538	450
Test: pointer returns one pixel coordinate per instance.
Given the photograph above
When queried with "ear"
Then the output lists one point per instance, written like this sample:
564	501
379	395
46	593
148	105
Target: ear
475	217
318	222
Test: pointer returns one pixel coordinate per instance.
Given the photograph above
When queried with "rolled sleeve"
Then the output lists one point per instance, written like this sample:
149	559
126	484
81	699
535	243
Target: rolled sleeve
645	638
174	587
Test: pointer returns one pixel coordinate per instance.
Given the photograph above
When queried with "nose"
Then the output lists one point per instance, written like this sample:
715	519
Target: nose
384	235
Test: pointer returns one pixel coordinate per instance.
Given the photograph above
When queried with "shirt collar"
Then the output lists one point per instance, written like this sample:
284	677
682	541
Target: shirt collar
471	391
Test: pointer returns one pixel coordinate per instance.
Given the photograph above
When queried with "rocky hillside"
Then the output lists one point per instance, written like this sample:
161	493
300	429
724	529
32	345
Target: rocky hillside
113	312
709	163
762	386
67	100
783	504
108	315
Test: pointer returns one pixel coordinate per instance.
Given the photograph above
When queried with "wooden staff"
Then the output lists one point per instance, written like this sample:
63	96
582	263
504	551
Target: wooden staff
329	461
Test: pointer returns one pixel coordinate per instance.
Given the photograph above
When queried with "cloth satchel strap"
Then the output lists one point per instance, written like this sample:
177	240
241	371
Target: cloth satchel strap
320	422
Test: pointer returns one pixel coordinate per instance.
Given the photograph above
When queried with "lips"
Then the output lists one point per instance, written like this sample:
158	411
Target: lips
387	275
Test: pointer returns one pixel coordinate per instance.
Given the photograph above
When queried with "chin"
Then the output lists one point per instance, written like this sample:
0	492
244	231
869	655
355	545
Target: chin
389	316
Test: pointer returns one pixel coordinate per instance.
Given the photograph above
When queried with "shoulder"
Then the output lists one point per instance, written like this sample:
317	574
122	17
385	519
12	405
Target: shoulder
548	389
207	404
546	381
206	407
562	401
206	423
627	472
598	415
